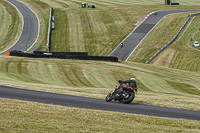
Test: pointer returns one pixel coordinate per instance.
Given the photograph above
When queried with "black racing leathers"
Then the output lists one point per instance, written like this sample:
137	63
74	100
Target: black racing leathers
132	83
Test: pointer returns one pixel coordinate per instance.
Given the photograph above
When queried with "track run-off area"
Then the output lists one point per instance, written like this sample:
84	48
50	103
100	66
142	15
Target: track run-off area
30	34
30	28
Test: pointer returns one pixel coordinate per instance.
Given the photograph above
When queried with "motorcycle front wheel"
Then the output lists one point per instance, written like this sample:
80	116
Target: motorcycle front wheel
109	97
129	97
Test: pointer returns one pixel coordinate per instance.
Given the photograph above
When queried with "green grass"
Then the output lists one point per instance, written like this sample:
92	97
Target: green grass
10	25
20	116
184	88
42	10
194	33
158	37
98	31
186	57
157	85
178	55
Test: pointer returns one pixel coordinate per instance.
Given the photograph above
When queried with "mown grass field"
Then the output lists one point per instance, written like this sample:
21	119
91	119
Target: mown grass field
42	10
98	31
157	85
179	55
10	25
20	116
195	33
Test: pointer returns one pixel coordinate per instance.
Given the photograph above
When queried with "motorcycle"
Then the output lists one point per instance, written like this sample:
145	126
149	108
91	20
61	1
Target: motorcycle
122	93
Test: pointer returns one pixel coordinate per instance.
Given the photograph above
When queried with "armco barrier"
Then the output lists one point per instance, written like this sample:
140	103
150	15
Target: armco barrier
64	55
60	53
170	42
36	49
102	58
50	30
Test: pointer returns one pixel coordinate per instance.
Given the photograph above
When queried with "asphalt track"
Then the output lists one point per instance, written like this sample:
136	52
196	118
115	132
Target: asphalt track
96	104
131	42
30	28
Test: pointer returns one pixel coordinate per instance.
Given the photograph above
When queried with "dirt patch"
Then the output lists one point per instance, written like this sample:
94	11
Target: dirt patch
166	58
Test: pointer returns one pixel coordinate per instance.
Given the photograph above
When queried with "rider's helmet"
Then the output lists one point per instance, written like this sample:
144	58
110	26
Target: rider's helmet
132	78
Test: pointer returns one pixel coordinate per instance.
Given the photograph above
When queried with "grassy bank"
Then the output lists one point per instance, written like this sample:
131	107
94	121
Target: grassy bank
178	55
21	116
187	57
42	10
157	85
98	31
194	33
10	25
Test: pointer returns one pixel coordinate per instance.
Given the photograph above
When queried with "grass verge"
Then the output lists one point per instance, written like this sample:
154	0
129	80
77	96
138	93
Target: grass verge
10	25
42	10
21	116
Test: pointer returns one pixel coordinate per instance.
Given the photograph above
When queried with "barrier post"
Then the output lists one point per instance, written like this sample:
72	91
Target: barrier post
8	53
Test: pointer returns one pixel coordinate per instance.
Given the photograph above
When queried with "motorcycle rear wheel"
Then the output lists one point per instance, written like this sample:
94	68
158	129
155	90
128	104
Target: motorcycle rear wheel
109	97
130	98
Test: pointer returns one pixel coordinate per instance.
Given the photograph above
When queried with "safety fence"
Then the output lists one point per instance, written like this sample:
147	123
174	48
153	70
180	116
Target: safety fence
63	55
36	49
50	29
170	42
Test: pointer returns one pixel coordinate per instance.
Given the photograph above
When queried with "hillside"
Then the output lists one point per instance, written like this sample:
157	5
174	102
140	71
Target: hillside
10	25
98	31
157	85
181	54
81	77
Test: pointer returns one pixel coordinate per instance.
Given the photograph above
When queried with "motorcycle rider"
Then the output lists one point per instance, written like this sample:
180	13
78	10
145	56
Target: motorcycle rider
122	44
131	82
